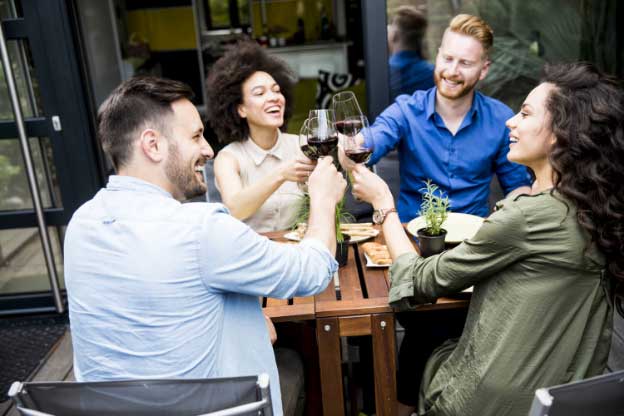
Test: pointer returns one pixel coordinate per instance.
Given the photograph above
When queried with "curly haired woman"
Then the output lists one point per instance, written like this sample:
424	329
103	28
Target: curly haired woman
250	96
545	266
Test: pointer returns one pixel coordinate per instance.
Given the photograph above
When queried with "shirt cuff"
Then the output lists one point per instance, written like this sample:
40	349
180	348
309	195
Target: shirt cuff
402	294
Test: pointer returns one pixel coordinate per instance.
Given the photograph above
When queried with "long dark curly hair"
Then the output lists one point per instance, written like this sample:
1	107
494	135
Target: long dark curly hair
587	116
225	87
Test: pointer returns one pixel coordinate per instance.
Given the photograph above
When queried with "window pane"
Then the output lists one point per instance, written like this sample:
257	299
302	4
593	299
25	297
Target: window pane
243	12
527	35
219	14
25	80
14	190
22	264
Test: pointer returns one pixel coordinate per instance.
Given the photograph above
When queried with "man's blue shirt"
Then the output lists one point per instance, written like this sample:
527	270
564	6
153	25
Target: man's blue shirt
408	73
461	165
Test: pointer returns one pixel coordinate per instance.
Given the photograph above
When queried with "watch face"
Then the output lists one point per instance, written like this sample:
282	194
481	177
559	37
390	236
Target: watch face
377	216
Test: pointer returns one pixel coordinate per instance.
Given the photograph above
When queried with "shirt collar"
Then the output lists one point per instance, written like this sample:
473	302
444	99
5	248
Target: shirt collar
474	107
258	154
131	183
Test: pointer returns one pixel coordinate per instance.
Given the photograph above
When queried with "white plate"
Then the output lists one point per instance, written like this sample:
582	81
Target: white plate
293	236
458	226
371	263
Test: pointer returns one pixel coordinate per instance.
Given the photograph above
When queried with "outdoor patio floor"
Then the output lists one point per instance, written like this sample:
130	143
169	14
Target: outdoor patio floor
57	366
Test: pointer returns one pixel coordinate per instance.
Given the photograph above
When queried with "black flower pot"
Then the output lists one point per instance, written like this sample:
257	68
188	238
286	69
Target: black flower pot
430	244
342	251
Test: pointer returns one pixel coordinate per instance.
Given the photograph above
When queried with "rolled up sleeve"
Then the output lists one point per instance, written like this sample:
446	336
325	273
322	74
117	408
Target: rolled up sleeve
234	258
500	242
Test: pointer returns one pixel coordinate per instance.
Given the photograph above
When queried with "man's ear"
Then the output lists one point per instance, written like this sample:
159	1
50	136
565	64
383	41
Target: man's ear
152	145
485	69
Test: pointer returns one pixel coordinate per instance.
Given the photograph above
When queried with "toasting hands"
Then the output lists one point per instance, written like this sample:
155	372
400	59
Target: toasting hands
326	183
369	187
297	170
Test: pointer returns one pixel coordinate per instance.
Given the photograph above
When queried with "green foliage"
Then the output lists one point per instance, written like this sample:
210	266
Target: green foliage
434	208
7	172
342	215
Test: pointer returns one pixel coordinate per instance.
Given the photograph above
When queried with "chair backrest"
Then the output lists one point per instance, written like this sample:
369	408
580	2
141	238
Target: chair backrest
602	395
206	397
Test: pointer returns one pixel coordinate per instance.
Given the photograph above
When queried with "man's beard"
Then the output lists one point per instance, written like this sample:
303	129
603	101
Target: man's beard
466	88
181	175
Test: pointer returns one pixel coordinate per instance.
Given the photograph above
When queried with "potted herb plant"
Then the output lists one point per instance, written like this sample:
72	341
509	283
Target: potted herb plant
434	209
342	216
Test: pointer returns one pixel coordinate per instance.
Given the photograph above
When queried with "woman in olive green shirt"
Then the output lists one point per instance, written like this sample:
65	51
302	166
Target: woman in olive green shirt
542	265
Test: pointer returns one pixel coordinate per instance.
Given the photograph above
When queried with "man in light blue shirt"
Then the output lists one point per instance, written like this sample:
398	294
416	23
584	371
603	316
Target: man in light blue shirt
161	289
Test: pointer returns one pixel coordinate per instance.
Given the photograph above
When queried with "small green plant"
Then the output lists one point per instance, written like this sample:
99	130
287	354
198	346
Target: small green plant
434	208
342	215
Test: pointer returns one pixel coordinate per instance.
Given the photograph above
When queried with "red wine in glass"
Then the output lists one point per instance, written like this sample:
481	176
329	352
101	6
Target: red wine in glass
349	127
359	155
322	147
310	152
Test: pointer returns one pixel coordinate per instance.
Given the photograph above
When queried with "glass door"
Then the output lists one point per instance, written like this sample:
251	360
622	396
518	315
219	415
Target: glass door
43	58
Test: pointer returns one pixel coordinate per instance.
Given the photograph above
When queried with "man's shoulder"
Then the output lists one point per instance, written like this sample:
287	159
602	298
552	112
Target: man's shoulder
415	103
200	211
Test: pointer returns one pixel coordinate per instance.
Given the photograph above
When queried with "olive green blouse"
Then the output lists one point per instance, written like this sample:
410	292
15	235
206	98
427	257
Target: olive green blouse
539	314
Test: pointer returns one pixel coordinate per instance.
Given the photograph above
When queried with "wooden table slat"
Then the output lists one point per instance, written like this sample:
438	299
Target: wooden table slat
307	299
329	294
376	281
288	313
352	307
350	287
272	302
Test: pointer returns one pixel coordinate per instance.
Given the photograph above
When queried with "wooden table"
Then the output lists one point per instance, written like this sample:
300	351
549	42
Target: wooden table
362	309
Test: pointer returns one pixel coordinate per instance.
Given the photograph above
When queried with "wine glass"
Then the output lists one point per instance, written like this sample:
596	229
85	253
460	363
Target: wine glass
306	150
355	146
309	152
322	136
345	106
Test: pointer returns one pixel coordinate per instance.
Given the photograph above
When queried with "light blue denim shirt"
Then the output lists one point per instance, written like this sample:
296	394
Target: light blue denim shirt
160	289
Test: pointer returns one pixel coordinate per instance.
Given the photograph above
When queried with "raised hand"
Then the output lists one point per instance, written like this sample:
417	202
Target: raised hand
325	183
297	170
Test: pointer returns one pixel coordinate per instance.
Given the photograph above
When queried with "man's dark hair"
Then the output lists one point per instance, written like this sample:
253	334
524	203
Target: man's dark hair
411	25
225	88
136	104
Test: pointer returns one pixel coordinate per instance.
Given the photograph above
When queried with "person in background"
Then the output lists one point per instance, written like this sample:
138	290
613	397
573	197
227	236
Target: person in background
162	289
409	71
545	266
451	133
250	96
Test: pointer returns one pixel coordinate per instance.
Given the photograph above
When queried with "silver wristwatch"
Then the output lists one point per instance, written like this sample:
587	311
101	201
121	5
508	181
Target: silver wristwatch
379	215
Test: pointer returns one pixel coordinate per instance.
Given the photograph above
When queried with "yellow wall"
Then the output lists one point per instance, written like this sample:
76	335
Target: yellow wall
284	14
165	29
